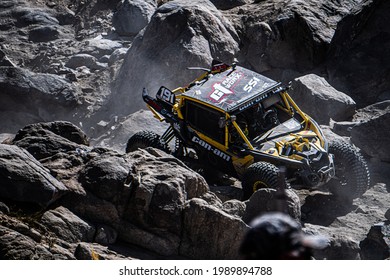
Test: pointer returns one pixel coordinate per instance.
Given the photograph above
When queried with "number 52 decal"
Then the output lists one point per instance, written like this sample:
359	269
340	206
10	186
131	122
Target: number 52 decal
251	84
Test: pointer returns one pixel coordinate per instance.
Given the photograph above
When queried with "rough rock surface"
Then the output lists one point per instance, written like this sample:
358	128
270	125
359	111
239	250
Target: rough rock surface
320	100
132	16
189	40
46	139
370	133
358	62
24	179
287	36
44	97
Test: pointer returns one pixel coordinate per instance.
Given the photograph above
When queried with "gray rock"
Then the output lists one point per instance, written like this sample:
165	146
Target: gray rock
316	97
372	134
341	247
295	37
43	34
387	214
28	97
155	240
4	60
199	242
87	60
67	226
105	235
228	4
65	16
332	136
342	128
358	61
266	200
26	84
92	251
115	135
372	111
234	207
377	244
8	4
47	139
91	208
132	15
16	246
4	208
99	47
23	227
180	34
29	16
105	176
161	185
66	168
117	56
25	179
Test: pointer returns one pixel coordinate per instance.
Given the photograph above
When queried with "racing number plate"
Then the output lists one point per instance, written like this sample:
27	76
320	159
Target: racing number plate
166	95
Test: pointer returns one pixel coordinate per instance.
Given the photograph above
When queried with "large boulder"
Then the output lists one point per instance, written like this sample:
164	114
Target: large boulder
293	39
316	97
44	34
47	139
16	246
377	244
67	226
28	97
180	34
341	245
27	16
371	130
269	200
161	186
105	176
24	179
132	15
209	232
83	59
358	58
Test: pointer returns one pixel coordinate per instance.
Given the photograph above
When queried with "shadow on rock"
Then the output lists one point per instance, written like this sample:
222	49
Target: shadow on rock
323	209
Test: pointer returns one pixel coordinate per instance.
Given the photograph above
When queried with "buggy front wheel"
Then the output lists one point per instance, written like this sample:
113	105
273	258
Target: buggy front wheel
144	139
259	175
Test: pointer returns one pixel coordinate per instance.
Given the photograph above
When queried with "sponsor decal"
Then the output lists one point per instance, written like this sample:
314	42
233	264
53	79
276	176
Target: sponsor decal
251	84
252	102
224	88
210	148
219	92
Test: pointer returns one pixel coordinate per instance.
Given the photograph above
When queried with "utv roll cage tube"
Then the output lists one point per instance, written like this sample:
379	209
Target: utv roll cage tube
168	104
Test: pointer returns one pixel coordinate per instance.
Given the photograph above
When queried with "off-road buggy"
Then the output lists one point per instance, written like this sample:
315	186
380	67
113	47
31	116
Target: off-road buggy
247	125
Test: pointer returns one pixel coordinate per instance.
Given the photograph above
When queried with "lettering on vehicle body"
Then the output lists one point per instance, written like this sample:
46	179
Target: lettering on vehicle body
225	86
219	91
252	102
210	148
251	84
166	95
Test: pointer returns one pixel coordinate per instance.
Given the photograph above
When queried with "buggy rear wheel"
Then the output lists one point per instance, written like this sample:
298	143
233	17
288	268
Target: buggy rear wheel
259	175
352	178
144	139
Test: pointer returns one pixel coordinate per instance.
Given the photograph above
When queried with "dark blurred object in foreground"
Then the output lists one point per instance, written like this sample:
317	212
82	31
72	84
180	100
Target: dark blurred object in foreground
276	236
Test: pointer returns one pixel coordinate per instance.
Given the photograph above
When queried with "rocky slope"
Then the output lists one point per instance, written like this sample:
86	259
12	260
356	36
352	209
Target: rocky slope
71	74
